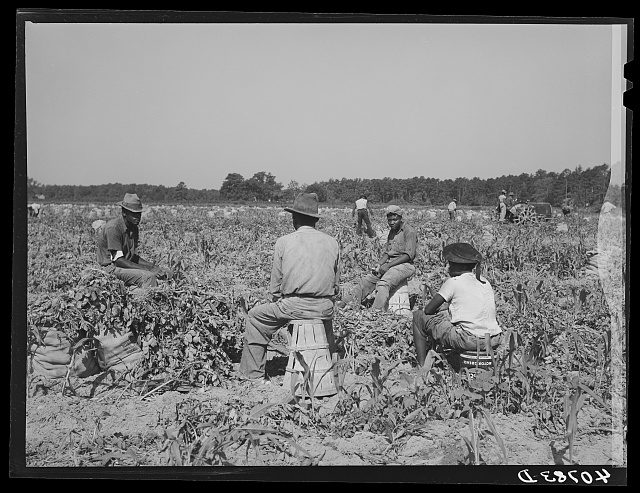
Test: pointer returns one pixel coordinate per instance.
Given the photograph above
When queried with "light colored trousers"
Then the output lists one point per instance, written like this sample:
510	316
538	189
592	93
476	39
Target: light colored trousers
438	328
503	210
133	277
385	285
263	321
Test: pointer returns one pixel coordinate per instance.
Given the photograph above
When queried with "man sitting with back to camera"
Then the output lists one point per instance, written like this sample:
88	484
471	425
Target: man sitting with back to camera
117	247
305	279
462	311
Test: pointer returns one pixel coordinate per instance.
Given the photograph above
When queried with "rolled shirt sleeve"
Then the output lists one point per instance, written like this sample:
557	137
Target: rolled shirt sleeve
114	238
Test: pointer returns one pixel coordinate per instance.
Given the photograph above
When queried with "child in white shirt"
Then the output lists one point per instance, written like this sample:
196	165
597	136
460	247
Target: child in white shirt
462	311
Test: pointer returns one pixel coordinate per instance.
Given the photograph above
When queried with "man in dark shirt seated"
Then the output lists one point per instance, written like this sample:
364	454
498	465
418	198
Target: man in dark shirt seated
117	247
395	265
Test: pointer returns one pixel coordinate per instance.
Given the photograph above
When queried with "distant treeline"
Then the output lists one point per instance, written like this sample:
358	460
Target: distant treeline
584	187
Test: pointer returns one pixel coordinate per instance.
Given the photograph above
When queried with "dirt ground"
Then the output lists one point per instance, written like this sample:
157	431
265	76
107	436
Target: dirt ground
59	427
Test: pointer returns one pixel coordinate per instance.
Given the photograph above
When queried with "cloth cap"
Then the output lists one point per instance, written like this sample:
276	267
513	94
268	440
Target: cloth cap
503	191
131	202
394	209
455	200
306	204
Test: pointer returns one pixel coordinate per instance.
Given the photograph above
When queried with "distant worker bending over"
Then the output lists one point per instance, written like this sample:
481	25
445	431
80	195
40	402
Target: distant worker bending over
117	247
305	279
395	265
462	311
363	210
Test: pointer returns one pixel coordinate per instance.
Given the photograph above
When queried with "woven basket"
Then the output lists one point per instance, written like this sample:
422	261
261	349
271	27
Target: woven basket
309	343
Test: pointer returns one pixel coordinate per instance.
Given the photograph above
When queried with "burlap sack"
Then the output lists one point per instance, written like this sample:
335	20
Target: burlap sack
118	352
52	358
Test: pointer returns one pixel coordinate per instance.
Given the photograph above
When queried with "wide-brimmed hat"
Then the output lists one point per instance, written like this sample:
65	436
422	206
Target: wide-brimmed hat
305	203
463	253
394	209
131	202
511	193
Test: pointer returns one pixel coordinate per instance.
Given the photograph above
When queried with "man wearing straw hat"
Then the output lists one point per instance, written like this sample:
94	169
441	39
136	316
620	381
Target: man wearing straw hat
462	312
395	265
117	247
305	278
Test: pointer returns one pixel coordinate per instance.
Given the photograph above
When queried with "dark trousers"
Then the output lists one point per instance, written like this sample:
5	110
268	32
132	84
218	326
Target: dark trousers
363	215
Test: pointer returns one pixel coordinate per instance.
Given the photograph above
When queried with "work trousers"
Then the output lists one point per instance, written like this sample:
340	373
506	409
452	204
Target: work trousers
439	329
363	215
133	277
263	321
452	215
385	285
503	211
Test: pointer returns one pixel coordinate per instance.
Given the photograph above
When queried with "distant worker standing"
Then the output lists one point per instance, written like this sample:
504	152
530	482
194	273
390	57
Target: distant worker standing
509	203
453	206
362	207
502	206
117	247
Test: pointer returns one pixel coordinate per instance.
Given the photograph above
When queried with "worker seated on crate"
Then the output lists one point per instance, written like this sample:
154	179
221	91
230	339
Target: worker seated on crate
462	312
305	279
395	265
117	247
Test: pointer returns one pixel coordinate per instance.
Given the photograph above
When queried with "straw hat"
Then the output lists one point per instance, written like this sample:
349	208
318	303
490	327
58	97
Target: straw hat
306	204
131	202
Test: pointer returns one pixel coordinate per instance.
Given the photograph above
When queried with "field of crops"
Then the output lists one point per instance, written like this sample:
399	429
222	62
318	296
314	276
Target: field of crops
547	399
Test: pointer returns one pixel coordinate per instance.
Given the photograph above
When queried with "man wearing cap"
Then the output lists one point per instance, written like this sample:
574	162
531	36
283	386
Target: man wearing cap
117	247
453	205
470	312
502	207
362	207
395	265
305	278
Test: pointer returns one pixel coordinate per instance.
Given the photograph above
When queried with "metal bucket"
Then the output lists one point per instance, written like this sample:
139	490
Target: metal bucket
475	361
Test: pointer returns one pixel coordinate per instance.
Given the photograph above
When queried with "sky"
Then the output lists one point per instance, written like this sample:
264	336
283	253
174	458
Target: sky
168	103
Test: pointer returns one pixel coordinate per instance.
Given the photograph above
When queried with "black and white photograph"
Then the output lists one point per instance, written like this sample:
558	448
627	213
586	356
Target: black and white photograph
393	247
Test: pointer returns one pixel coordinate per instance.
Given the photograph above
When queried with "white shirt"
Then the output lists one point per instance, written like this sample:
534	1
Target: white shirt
361	204
472	304
501	198
452	206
